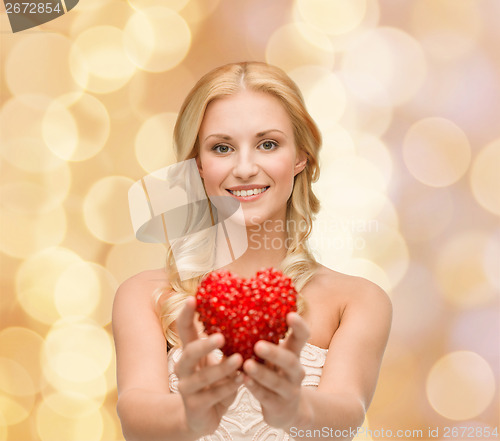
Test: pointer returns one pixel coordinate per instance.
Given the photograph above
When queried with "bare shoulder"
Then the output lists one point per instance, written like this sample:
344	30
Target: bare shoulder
137	296
155	278
142	286
351	291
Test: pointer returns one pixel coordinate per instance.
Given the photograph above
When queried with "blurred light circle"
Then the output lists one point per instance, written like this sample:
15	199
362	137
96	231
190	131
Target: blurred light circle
35	193
195	11
60	131
106	209
111	424
23	234
485	177
77	290
460	271
323	93
351	201
337	143
108	13
436	151
156	38
107	289
368	106
175	5
23	347
105	63
15	409
446	29
418	309
88	289
93	5
150	95
21	142
3	423
388	249
400	363
369	270
79	238
76	128
36	280
30	66
331	238
71	404
153	143
460	385
52	426
127	259
376	152
342	42
348	176
425	212
17	391
298	44
390	56
14	379
110	373
491	259
332	16
78	349
477	330
96	388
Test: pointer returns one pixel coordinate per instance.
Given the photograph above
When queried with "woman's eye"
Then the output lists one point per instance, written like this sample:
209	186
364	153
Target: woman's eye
269	145
220	148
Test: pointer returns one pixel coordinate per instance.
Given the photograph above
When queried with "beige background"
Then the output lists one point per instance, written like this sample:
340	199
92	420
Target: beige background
407	96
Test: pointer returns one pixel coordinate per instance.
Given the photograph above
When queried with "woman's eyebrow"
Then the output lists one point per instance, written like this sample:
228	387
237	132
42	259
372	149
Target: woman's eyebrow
265	132
257	135
220	136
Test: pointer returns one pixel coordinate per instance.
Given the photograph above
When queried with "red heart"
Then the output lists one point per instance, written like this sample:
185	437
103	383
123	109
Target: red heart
246	310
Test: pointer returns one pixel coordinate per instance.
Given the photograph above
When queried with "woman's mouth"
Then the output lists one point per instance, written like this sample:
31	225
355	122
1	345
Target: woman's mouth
250	194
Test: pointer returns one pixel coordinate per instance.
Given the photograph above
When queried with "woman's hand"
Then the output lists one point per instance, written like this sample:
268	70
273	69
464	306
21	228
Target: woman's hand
277	383
208	387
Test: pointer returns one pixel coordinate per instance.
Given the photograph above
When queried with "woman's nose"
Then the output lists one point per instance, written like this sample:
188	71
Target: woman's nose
245	165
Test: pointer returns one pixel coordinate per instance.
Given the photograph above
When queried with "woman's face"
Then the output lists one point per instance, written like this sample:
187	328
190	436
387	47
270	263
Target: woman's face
248	152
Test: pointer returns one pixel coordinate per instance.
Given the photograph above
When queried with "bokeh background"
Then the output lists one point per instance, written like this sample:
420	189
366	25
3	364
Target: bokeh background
407	96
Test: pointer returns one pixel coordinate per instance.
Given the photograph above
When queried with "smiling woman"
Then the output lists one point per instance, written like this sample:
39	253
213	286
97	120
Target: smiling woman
247	128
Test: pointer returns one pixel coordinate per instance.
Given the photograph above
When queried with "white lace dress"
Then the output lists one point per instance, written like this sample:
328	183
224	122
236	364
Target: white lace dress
243	420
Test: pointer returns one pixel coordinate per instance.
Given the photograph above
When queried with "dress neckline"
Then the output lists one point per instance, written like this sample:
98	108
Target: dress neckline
316	347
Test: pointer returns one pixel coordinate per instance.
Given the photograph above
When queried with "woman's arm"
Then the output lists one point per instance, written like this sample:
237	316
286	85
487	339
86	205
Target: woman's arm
349	376
147	409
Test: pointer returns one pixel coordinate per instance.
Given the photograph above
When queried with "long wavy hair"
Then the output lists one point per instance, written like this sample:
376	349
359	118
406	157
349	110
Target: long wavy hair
299	263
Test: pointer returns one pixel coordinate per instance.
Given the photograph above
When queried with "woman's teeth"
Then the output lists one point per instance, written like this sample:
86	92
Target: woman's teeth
248	192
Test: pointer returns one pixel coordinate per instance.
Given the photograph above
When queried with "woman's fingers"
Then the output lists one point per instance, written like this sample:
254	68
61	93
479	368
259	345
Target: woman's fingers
211	376
296	340
223	393
194	352
185	322
283	359
267	378
281	382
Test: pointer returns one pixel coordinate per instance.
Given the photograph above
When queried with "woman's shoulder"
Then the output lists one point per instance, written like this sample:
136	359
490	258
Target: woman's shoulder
347	288
342	300
143	288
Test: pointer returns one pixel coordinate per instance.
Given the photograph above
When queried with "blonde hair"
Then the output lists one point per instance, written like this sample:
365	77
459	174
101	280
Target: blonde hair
299	264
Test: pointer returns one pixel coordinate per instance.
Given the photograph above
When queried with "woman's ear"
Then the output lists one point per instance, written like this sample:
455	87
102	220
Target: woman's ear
300	162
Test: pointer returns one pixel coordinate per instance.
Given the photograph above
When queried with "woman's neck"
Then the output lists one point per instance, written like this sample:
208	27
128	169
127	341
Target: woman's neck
267	245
